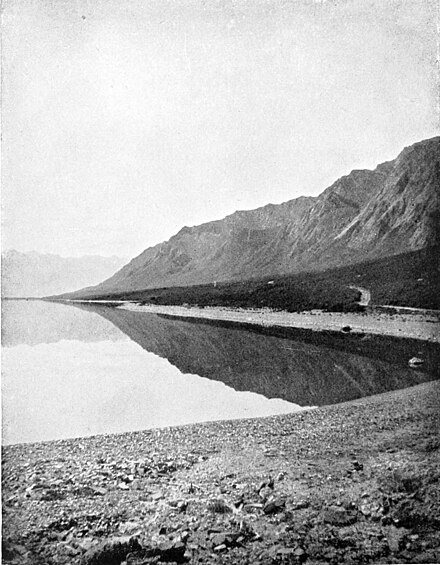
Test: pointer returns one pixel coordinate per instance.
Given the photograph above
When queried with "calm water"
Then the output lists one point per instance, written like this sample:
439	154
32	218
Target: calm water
71	371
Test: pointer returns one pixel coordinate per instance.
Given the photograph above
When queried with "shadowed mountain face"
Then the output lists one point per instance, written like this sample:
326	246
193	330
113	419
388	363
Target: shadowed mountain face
364	215
307	368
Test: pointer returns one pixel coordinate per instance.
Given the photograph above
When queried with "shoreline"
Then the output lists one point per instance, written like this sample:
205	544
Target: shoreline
295	488
424	327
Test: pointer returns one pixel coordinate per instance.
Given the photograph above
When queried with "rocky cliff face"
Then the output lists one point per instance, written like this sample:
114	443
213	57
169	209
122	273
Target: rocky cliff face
35	274
366	214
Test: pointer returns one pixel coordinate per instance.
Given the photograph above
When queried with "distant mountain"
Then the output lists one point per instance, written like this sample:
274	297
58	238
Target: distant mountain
364	215
36	275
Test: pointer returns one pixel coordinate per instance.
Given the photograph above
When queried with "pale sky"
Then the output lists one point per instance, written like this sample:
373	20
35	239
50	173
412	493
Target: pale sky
125	120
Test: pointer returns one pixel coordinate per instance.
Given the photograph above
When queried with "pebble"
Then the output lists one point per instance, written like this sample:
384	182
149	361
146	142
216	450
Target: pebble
275	505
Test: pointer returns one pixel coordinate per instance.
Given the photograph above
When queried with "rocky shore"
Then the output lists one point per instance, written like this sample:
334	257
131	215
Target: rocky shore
422	325
352	483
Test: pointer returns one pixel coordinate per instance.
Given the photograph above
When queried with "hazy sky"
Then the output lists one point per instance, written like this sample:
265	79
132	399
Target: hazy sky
124	120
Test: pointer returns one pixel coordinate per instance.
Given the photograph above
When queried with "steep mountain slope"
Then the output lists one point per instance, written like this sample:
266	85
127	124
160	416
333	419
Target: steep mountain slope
366	214
409	279
35	275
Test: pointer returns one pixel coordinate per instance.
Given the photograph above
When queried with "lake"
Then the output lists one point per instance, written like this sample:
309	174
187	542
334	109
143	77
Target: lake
80	370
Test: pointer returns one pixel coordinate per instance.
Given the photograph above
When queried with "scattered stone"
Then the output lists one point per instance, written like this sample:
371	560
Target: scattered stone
130	528
265	492
338	516
86	544
357	466
288	554
300	504
396	538
219	506
100	491
112	551
415	362
218	539
300	554
269	483
229	539
399	489
220	547
274	506
171	551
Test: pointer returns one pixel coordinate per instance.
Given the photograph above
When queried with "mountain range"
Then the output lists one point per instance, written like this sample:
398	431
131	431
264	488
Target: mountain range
364	215
35	274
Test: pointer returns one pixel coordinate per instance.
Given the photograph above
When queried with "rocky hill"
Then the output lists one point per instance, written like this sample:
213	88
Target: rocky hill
35	274
364	215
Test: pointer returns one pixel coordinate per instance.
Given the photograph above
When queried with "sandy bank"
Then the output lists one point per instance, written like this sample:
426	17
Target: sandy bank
416	326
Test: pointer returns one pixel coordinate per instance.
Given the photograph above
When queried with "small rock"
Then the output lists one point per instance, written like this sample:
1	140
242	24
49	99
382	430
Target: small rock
220	547
218	505
100	491
86	544
300	504
283	552
230	539
395	538
266	483
123	486
183	536
365	509
357	466
130	528
157	496
72	551
274	506
338	516
218	539
112	551
265	492
415	362
173	550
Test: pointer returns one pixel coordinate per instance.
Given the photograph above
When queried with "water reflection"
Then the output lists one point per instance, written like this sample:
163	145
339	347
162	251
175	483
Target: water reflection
72	371
296	370
90	378
33	322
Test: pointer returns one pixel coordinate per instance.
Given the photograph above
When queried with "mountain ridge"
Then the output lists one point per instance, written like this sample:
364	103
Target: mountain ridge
363	215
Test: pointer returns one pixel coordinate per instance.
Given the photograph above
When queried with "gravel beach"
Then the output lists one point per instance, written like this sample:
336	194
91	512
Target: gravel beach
417	325
352	483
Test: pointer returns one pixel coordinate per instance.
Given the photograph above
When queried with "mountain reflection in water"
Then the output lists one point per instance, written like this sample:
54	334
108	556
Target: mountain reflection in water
67	372
306	368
